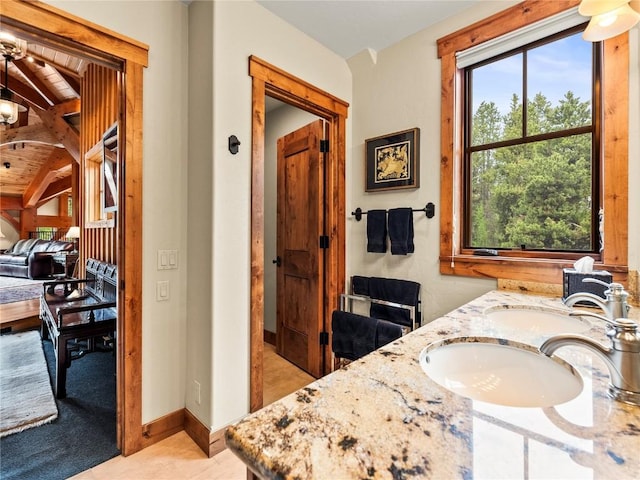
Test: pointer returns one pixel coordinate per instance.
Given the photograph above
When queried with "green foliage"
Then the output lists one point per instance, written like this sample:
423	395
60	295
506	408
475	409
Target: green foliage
535	194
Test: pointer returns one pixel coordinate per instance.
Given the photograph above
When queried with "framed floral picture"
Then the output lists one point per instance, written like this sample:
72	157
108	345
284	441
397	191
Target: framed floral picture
392	161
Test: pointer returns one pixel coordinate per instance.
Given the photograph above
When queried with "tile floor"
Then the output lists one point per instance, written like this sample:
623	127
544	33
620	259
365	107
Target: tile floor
178	457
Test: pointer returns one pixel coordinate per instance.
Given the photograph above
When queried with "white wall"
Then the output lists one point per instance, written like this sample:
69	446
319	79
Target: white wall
278	123
163	26
200	211
397	89
210	194
241	29
9	234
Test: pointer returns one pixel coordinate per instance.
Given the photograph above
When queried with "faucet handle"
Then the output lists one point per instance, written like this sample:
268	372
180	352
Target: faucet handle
613	286
619	324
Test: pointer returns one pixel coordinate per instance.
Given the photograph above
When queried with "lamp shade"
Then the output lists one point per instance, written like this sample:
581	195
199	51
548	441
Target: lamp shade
589	8
8	108
74	232
611	24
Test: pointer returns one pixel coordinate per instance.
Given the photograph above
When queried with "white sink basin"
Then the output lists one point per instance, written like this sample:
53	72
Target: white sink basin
489	370
537	320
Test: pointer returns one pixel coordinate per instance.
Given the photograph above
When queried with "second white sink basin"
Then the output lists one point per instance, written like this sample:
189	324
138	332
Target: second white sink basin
538	320
499	371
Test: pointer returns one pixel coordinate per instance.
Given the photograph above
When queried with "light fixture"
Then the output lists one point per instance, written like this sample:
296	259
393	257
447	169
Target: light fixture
9	108
609	18
74	234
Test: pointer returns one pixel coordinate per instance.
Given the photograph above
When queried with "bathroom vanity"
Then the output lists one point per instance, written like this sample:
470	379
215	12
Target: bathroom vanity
383	417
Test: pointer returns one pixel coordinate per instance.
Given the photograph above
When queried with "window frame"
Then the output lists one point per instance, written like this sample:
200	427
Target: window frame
535	266
525	138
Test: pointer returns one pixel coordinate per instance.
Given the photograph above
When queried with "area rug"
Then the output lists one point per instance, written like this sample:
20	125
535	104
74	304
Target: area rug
18	289
26	398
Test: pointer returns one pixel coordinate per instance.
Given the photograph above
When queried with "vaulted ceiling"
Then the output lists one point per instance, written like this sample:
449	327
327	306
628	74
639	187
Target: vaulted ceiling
37	152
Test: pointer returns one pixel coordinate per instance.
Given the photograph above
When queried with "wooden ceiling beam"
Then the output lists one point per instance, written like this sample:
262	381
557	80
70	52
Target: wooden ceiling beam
60	68
14	223
21	89
61	223
53	118
56	188
37	84
10	203
67	107
72	80
58	161
29	133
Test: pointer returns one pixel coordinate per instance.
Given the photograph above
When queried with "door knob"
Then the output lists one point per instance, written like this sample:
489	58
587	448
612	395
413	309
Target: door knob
277	261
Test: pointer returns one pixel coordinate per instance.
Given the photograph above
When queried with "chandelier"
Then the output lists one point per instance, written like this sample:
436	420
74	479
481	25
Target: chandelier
9	108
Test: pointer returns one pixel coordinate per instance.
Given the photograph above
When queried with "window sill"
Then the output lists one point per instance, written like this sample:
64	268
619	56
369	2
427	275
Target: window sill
543	270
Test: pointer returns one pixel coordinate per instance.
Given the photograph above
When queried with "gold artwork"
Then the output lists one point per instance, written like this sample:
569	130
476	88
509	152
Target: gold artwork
392	162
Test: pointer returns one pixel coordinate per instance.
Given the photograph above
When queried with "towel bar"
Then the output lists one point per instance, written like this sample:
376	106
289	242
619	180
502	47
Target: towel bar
429	210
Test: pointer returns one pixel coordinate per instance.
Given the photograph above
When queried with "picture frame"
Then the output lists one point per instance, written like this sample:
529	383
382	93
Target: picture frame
393	161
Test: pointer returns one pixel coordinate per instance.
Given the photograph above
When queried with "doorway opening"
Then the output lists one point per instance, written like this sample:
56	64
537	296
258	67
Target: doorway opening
270	81
62	30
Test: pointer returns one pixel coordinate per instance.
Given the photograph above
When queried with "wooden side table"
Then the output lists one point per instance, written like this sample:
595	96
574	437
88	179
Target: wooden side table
67	261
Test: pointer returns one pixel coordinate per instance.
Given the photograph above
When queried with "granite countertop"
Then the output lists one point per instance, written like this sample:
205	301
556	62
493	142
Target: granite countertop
382	417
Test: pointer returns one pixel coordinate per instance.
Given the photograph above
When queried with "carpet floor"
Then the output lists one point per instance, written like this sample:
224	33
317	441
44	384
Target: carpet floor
14	289
83	435
26	398
20	294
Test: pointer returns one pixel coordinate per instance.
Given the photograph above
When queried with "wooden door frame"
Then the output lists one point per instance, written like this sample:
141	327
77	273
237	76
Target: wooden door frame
63	28
274	82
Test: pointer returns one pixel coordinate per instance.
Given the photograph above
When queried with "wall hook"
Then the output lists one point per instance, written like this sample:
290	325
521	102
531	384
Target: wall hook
233	144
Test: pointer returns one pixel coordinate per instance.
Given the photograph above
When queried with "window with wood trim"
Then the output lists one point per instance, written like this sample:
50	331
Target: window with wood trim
540	265
531	156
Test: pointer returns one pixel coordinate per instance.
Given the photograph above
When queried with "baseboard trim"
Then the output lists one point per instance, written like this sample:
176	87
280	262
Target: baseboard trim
163	427
269	337
211	443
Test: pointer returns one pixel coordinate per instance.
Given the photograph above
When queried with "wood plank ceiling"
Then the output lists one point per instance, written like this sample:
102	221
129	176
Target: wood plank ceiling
37	152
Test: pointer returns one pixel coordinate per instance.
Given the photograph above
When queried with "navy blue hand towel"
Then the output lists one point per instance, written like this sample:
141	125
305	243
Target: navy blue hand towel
377	231
353	335
360	285
401	231
394	290
387	332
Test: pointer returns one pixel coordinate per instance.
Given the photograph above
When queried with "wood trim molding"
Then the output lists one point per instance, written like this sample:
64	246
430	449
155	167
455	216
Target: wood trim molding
518	16
268	79
615	154
102	45
211	443
130	262
163	427
76	32
302	93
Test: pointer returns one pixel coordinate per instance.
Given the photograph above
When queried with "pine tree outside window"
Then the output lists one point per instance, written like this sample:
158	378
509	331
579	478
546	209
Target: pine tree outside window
531	156
474	45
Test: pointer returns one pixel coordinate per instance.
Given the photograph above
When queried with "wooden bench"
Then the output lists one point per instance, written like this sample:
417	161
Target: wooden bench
74	312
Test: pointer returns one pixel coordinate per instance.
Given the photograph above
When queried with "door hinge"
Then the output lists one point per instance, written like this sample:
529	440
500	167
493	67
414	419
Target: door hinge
324	146
324	241
324	338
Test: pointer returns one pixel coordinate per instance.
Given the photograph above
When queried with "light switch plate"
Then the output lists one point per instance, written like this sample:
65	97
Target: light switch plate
162	290
167	259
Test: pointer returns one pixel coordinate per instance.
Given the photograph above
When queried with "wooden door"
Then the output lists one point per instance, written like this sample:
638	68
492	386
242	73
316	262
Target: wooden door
301	269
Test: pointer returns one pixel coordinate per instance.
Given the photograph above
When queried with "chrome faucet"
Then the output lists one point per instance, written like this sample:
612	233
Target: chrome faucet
614	305
622	358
